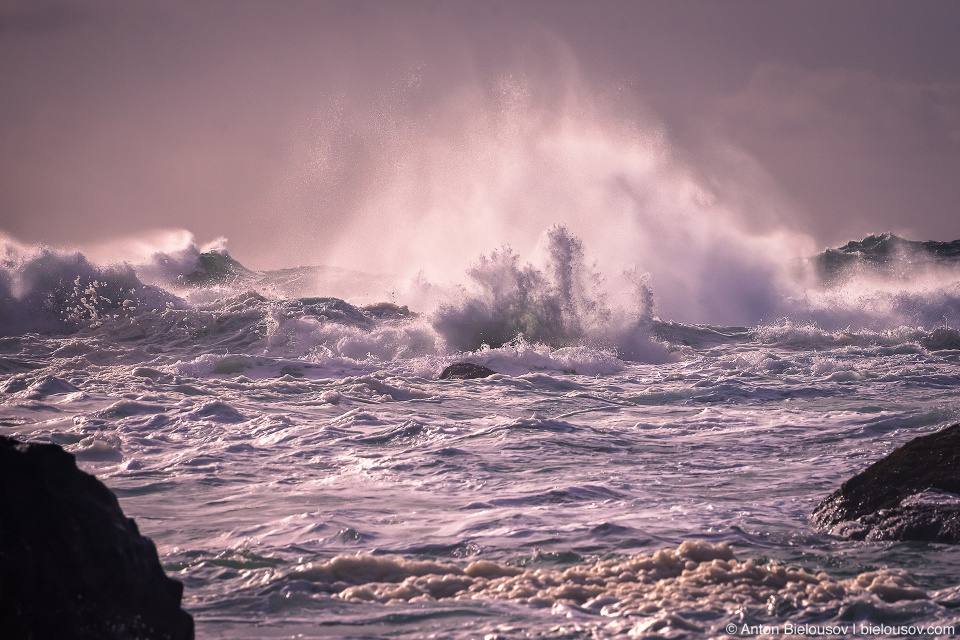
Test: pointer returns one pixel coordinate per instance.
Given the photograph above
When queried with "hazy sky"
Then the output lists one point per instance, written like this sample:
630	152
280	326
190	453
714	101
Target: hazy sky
278	123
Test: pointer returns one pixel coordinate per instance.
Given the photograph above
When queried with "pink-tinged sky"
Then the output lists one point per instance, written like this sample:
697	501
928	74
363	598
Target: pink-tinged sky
281	124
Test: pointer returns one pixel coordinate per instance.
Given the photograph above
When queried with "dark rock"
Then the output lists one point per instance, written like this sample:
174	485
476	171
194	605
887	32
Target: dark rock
885	254
388	311
71	565
925	522
216	267
465	371
291	370
909	495
335	310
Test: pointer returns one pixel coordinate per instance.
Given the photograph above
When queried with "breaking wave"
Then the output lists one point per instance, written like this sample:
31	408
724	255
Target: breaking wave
563	305
556	311
42	290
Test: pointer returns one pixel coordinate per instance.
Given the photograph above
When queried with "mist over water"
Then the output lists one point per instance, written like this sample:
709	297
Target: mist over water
304	470
501	165
459	211
566	304
555	208
675	377
293	217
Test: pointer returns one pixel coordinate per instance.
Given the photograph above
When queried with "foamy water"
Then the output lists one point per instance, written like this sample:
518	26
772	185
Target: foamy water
304	471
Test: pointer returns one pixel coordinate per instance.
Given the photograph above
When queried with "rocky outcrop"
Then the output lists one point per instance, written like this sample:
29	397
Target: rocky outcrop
215	267
71	564
465	371
912	494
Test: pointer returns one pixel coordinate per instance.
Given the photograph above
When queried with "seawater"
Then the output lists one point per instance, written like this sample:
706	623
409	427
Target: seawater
305	473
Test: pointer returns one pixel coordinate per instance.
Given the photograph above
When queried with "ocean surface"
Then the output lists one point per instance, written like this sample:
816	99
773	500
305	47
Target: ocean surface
306	474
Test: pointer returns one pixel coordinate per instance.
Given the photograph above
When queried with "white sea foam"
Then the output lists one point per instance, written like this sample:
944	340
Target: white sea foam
263	440
883	301
248	444
669	587
565	304
322	340
99	447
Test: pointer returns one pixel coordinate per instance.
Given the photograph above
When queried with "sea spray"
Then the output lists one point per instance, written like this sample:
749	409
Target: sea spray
562	305
302	466
44	290
499	164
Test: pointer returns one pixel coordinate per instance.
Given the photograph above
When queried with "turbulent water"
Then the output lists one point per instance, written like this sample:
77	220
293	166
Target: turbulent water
305	473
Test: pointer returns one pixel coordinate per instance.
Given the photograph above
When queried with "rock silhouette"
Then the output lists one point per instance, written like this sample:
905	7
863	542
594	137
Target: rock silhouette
465	371
71	564
909	495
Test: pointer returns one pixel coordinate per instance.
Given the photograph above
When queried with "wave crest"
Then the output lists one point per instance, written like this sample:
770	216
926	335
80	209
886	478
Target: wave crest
42	290
562	305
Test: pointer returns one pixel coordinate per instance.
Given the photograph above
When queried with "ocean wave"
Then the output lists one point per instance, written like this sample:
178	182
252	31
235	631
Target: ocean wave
563	305
509	315
811	336
697	586
42	290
